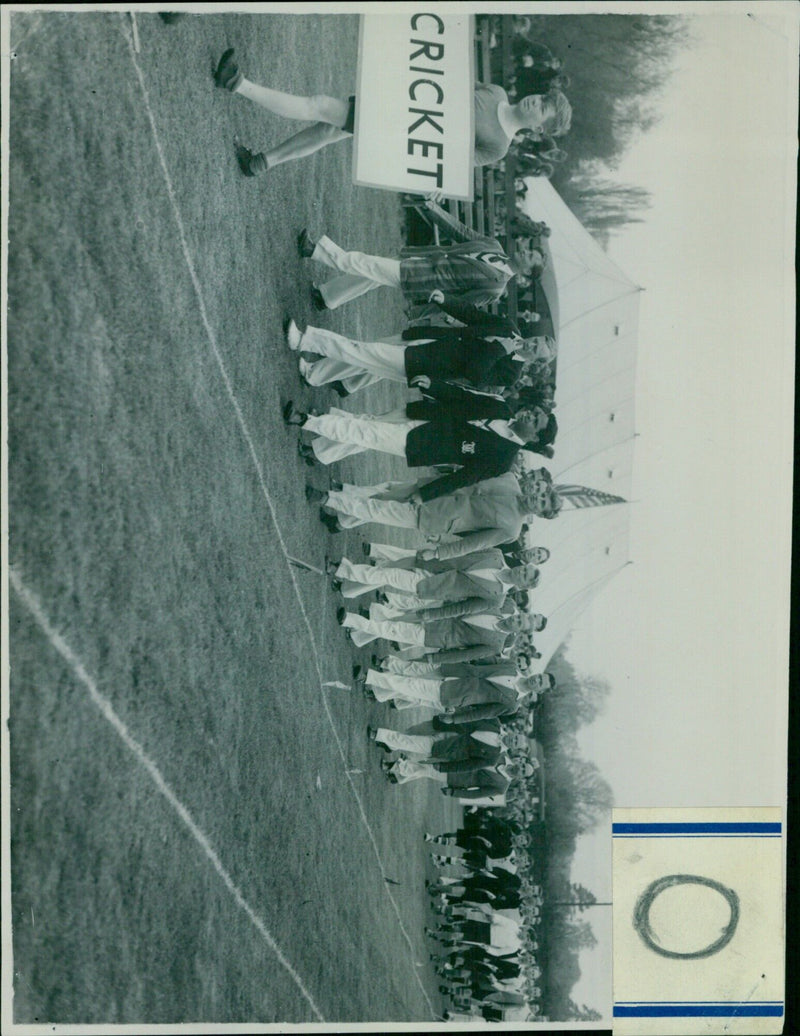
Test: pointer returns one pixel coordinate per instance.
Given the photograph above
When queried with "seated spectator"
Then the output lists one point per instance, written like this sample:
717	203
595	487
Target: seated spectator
523	224
535	55
532	259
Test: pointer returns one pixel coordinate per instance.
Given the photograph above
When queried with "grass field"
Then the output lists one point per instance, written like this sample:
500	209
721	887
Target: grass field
155	537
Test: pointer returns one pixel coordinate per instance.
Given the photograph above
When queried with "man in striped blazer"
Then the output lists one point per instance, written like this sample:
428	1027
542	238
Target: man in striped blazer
474	269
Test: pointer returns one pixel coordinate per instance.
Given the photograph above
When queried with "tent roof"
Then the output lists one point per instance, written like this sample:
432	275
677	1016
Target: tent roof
597	332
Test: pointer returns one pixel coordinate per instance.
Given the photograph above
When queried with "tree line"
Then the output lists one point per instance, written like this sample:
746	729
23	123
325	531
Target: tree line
578	798
618	66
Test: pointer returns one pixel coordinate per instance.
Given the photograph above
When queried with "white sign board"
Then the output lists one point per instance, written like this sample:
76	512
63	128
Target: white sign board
414	128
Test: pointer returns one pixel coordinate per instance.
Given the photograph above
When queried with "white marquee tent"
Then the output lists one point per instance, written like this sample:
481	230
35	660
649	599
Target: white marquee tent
595	307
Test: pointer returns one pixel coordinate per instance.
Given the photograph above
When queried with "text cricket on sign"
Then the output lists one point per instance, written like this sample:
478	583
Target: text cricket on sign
414	107
432	52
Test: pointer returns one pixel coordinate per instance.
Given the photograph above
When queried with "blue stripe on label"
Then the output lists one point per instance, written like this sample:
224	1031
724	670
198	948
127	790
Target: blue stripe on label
733	1010
697	834
745	827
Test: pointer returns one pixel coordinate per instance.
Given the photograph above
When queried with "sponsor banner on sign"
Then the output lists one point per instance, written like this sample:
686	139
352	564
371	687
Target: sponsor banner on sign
414	128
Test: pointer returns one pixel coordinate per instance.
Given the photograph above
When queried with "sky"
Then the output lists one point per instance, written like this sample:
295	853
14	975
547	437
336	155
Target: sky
693	637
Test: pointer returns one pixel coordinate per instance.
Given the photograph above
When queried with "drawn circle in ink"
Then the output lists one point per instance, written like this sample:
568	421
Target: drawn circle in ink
641	915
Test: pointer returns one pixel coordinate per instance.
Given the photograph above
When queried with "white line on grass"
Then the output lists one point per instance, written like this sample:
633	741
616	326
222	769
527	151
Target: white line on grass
212	339
135	28
33	605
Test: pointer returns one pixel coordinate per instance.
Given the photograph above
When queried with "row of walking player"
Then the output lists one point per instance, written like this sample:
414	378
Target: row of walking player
475	746
487	911
451	608
473	674
481	413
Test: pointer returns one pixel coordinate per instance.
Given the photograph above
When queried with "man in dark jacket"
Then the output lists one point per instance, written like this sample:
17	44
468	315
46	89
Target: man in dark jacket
469	328
483	447
466	355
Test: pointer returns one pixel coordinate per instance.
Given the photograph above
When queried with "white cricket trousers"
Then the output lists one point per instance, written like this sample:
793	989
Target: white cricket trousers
344	288
380	619
364	271
372	576
420	745
405	691
403	632
365	509
328	450
406	667
346	358
364	431
398	605
406	770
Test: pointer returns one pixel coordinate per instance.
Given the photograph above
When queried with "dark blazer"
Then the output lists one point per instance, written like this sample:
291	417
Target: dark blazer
464	357
481	453
467	352
478	320
504	374
448	438
451	401
461	753
474	321
488	726
473	713
451	440
476	784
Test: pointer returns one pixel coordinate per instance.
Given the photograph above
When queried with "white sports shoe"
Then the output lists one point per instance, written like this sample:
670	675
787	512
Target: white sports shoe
305	367
293	335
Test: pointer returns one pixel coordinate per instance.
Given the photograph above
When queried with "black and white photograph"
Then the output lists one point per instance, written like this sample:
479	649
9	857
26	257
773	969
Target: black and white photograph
397	485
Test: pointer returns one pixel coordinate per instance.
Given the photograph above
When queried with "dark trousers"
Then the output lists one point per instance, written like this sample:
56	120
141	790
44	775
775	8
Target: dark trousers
476	931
